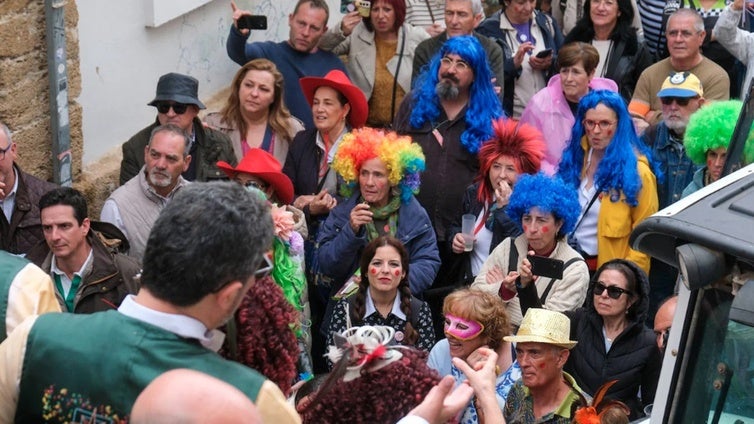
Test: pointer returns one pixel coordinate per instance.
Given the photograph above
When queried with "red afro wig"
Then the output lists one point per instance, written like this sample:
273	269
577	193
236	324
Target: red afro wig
521	142
265	338
382	396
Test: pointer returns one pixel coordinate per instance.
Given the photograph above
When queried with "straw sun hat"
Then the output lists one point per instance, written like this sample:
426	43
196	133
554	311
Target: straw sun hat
544	326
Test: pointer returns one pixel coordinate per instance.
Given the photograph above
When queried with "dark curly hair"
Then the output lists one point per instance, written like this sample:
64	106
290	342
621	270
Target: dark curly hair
265	340
382	396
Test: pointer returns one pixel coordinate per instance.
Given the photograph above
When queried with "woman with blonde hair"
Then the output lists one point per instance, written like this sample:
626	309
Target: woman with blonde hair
255	115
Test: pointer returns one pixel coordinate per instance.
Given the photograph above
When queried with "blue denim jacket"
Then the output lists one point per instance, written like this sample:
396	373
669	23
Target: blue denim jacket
668	152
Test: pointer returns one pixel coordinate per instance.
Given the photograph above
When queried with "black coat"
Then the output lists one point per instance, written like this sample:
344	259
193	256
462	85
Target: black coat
627	59
634	359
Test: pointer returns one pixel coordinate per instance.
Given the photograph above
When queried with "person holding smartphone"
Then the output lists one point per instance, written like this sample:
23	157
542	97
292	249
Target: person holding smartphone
380	48
546	210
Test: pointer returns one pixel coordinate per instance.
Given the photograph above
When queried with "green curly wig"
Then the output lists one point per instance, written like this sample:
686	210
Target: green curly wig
711	127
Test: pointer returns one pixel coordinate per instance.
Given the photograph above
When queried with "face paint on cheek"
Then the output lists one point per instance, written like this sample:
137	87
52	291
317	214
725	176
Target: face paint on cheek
397	272
526	228
373	270
542	365
545	229
468	329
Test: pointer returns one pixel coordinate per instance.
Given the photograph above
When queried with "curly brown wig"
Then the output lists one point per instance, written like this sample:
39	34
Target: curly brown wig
265	339
382	396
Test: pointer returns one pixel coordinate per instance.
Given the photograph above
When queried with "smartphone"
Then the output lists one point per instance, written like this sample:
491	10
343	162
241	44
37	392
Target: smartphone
347	6
543	266
544	53
252	22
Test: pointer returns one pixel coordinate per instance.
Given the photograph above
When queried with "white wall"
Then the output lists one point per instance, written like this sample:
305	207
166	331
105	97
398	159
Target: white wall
122	58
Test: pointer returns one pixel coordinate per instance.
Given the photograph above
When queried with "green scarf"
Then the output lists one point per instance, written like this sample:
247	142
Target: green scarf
389	211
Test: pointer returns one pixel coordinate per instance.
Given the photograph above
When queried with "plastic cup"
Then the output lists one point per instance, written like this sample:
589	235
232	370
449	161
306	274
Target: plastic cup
467	230
364	6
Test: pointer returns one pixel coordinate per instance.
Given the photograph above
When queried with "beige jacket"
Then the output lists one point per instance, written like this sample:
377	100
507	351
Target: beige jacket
362	54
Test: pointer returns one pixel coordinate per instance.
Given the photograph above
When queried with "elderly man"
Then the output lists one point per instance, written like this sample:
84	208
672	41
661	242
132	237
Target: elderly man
134	206
296	57
685	35
664	320
461	18
545	393
25	290
20	229
177	103
89	275
188	290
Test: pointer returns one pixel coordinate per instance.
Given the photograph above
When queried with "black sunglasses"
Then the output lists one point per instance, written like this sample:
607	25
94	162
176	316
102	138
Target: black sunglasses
178	108
612	291
681	101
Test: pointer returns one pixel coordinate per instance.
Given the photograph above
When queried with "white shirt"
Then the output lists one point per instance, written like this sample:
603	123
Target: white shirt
182	325
66	282
370	309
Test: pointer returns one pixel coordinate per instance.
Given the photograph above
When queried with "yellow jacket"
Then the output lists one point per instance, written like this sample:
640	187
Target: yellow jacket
616	220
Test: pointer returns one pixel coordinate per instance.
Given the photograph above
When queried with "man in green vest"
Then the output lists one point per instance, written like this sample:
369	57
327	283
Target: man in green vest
204	252
25	290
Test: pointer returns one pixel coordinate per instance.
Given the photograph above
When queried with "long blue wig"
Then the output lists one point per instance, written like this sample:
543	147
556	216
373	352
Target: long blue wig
484	105
549	194
618	169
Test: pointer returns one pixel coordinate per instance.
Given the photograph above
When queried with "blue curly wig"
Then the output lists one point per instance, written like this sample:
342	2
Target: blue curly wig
549	194
484	105
618	168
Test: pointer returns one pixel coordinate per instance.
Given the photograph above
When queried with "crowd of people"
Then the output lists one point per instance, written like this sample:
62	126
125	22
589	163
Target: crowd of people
417	199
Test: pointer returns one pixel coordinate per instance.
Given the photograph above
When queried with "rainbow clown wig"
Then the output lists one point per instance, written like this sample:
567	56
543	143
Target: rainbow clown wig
618	169
484	105
403	159
711	127
523	143
548	194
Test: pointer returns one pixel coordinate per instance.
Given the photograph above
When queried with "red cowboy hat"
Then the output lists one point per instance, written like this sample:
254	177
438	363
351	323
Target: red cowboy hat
339	81
264	166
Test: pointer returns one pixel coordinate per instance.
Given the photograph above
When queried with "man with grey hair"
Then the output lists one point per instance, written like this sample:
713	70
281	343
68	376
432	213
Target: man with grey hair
20	225
685	34
134	206
461	18
205	251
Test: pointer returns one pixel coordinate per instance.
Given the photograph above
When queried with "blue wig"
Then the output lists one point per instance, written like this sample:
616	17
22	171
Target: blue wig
484	105
549	194
618	170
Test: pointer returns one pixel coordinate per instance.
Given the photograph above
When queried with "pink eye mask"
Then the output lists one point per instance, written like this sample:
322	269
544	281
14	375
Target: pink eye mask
468	329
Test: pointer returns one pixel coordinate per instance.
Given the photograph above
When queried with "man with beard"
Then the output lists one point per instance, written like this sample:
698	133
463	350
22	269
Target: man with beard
52	365
449	113
134	206
681	95
177	103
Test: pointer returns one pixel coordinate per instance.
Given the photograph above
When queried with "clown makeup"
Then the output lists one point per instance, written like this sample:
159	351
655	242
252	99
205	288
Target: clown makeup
385	270
462	329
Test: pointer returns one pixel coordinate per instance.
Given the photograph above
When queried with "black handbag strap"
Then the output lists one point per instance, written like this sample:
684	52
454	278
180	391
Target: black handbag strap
583	214
397	70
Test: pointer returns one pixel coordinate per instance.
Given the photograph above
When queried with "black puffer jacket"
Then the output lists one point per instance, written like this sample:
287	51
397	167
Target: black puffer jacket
634	359
627	58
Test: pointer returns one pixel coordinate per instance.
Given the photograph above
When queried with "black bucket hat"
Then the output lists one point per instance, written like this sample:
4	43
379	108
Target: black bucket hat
178	88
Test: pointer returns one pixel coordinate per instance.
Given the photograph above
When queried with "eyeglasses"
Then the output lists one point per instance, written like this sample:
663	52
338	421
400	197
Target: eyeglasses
265	267
255	184
603	125
613	292
460	65
685	34
178	108
680	101
5	150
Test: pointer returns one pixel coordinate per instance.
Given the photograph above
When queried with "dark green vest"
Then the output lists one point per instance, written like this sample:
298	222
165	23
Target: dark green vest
79	365
10	266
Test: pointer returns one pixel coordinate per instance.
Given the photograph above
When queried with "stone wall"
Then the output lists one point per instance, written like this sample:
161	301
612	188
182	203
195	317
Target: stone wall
24	87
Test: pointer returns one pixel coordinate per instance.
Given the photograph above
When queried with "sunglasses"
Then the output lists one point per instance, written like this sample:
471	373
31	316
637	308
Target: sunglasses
178	108
681	101
265	267
613	292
